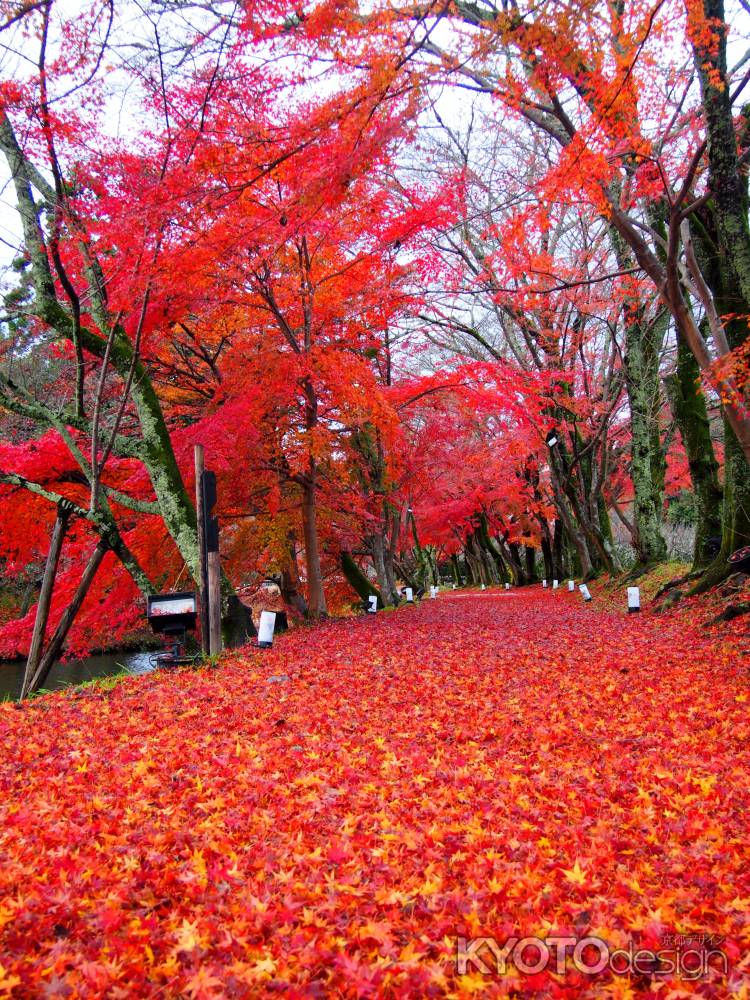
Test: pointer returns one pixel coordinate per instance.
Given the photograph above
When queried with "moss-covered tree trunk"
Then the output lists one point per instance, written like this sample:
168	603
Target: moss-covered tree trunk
358	581
689	410
642	381
724	232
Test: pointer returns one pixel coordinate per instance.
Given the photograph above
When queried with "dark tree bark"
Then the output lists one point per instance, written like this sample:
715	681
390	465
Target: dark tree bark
689	409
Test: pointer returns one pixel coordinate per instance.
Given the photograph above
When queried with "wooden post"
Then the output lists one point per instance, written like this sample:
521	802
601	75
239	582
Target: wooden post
200	518
214	602
211	532
45	600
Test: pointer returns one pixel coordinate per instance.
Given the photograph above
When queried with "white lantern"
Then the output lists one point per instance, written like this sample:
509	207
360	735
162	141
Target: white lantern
571	585
507	586
433	592
373	604
265	629
544	583
483	587
585	591
555	584
634	600
409	595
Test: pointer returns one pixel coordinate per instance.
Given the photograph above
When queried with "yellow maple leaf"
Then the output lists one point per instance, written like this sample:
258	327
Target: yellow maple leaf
264	968
7	982
188	936
575	874
199	865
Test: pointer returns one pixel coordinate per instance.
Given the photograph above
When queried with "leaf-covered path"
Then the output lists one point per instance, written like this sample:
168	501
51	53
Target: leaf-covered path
328	817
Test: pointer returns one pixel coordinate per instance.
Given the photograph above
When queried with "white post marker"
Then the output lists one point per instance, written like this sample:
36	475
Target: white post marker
571	585
454	586
585	591
373	604
544	583
409	595
482	586
433	591
507	586
555	584
634	600
266	625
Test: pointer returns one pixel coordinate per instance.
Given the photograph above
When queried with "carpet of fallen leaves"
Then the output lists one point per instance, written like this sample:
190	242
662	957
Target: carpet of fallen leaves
327	817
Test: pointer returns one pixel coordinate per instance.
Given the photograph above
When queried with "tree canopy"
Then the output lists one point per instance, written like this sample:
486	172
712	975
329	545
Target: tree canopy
459	289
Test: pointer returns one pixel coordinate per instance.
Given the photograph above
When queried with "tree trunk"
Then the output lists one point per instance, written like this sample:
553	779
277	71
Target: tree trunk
378	550
575	534
558	552
56	642
546	549
605	525
315	594
530	554
736	513
290	584
721	276
472	571
689	410
358	581
641	384
727	184
392	521
45	600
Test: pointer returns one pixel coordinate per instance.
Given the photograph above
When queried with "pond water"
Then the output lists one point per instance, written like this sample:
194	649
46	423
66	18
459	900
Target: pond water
75	671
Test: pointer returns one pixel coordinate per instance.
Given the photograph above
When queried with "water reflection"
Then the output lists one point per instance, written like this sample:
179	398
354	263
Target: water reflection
75	671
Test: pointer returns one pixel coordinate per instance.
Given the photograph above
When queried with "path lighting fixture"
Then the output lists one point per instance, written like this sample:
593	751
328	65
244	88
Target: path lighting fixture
172	616
571	585
544	583
266	627
555	584
372	604
409	595
634	600
585	591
